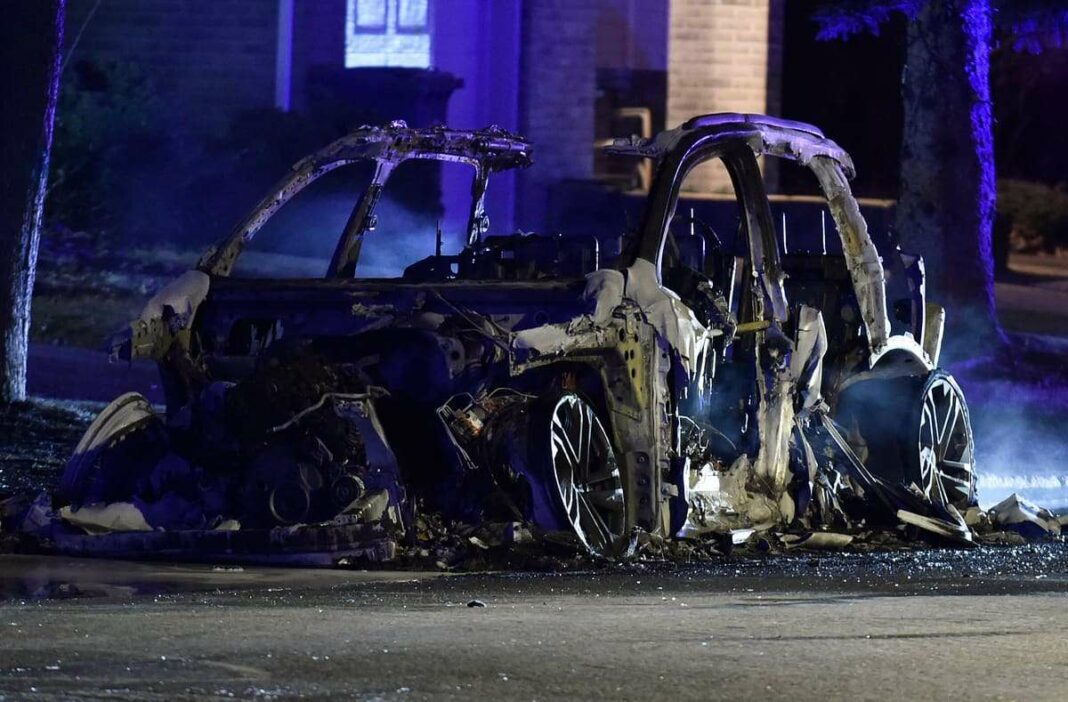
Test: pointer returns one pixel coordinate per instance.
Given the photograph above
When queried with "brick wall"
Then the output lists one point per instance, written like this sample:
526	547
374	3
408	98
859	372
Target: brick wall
207	58
557	91
717	62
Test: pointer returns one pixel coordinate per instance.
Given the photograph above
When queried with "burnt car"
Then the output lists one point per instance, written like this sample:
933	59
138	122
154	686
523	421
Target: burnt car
685	388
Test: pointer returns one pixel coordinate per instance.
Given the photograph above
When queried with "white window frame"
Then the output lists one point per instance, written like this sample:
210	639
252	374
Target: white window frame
388	45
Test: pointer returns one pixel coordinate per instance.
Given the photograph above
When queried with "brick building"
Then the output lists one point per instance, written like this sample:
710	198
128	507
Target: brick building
550	69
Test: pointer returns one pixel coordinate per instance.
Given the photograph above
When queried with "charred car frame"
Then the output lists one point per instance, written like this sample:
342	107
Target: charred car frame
681	390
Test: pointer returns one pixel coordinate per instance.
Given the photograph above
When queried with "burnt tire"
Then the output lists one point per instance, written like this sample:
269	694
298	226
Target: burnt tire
914	430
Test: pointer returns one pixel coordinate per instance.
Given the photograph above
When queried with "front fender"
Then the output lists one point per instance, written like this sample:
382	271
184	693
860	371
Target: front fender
165	320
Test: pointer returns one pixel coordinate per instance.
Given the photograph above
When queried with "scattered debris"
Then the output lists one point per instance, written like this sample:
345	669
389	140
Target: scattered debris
1028	520
100	519
818	540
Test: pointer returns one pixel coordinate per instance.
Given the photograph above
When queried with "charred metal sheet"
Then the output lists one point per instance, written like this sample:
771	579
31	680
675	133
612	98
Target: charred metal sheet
767	135
865	266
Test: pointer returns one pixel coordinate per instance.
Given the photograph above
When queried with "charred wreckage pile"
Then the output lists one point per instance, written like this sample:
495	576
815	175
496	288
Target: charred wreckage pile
683	393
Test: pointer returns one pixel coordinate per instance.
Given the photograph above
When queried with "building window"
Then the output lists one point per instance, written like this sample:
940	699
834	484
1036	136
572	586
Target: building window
387	33
412	16
370	15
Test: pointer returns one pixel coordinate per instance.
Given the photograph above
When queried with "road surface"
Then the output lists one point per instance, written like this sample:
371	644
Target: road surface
933	626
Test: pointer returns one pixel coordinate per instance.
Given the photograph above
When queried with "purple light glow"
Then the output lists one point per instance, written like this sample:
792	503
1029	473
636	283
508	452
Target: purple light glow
1033	28
848	19
1033	25
977	21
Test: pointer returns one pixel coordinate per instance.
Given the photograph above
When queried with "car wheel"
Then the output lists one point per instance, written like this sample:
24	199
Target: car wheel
585	478
945	445
914	430
552	457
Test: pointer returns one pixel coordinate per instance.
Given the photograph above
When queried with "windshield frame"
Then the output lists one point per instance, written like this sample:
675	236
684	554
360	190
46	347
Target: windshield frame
489	150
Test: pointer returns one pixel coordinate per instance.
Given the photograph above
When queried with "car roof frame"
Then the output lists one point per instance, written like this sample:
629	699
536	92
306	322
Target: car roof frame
487	150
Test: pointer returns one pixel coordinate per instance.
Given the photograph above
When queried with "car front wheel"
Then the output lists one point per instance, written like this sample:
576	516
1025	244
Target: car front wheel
915	431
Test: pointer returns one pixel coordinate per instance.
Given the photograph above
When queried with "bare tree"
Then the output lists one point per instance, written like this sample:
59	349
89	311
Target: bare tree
948	182
31	38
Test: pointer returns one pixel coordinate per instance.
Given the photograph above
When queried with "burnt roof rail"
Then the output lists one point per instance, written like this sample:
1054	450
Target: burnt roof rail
775	136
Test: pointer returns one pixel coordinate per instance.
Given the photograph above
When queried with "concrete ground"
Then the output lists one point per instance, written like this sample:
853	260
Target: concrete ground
812	628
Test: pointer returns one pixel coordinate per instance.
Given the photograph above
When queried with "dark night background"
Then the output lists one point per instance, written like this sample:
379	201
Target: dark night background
165	138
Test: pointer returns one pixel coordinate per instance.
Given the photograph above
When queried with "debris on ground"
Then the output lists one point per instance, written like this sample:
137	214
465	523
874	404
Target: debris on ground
1028	520
36	438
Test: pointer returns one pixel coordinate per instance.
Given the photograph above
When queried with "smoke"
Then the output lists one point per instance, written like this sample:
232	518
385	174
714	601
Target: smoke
1050	491
300	239
1019	418
402	238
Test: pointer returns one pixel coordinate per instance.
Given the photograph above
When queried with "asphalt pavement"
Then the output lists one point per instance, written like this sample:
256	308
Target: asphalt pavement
73	373
939	625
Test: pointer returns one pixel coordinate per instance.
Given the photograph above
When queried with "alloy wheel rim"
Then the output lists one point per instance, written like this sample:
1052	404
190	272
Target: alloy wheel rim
946	446
587	476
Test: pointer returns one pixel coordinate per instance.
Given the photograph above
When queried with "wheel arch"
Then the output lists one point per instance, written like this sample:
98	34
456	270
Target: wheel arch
899	357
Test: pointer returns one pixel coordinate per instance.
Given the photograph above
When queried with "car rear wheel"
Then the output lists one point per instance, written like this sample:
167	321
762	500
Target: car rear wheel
552	456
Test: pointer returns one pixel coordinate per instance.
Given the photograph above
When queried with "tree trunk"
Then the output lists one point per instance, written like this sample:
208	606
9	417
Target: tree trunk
31	40
948	190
